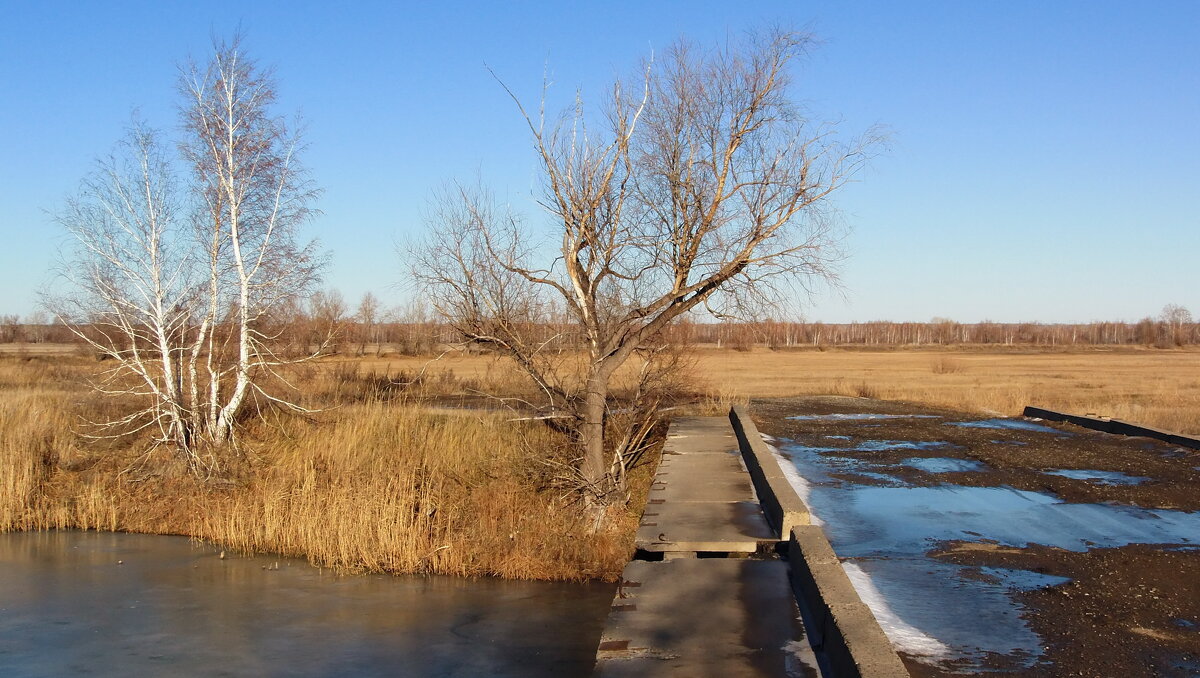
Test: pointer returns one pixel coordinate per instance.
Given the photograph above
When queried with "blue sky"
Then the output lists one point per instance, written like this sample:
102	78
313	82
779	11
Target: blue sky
1044	159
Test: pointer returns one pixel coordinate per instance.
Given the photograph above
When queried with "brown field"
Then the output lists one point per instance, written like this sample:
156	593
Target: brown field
1159	388
378	482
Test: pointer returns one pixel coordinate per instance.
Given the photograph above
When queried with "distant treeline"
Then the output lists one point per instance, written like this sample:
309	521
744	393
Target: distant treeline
301	333
772	334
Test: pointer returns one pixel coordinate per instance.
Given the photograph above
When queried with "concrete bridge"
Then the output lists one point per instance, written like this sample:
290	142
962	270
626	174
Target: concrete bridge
730	578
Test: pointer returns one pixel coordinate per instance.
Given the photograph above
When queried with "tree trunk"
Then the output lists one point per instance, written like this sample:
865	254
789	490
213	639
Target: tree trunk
591	433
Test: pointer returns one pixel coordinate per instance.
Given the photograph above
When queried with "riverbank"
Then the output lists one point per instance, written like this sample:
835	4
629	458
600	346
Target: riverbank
372	483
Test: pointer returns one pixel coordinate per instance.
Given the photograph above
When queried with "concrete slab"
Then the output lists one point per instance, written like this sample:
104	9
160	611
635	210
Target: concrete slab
710	617
701	498
702	477
729	527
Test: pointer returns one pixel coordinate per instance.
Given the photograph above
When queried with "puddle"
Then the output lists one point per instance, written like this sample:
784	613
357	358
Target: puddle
838	437
885	532
944	464
1099	477
1008	425
1023	580
107	604
880	521
886	445
862	416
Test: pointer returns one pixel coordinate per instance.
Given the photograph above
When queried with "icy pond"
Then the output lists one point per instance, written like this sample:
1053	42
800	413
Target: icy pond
104	604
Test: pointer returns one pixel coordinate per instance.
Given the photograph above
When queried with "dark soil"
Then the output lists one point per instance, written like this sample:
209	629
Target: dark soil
1129	611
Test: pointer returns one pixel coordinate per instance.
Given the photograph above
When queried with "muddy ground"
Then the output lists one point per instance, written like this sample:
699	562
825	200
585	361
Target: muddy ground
1128	611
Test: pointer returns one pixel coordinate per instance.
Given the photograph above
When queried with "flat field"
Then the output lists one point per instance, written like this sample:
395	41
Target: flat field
1159	388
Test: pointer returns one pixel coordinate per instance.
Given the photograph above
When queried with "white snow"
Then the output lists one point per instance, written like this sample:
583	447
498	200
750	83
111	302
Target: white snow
904	636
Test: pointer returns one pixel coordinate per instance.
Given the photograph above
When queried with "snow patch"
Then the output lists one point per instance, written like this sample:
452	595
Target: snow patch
904	636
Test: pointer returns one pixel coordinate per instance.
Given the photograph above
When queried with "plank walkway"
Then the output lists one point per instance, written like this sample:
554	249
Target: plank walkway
709	607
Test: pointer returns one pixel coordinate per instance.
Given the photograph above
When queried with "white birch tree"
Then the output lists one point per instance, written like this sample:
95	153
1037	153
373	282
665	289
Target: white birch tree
175	280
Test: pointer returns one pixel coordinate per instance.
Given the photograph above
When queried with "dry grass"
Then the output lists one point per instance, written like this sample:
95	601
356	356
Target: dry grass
1153	387
374	484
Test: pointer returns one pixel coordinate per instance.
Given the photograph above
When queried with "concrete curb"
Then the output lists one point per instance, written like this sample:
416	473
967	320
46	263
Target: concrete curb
1113	426
839	625
782	506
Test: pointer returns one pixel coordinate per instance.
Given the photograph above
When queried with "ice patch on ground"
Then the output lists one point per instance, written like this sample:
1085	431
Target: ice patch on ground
904	636
1099	477
1008	425
944	464
862	416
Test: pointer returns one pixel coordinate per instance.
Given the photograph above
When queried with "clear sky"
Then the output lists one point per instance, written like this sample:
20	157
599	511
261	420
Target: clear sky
1044	165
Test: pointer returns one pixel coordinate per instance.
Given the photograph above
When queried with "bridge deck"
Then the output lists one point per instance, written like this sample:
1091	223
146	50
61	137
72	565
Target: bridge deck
729	616
702	499
724	618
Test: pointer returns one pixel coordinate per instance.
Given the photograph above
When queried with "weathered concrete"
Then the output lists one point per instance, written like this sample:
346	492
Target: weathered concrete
783	507
841	627
735	616
711	617
701	499
1114	426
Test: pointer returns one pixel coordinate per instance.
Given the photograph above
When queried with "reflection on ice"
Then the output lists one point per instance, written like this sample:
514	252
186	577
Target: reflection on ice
1008	424
1101	477
860	416
944	464
881	521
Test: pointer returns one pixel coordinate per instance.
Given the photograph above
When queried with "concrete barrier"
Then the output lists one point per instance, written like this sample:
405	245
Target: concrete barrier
782	506
840	626
1113	426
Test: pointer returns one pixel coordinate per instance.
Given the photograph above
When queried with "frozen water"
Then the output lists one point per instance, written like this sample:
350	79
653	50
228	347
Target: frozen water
1101	477
1008	424
860	416
944	464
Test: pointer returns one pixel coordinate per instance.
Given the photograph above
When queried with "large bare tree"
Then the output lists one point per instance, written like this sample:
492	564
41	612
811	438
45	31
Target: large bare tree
704	187
173	278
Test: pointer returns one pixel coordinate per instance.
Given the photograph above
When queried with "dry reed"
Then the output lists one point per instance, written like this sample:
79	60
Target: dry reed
377	484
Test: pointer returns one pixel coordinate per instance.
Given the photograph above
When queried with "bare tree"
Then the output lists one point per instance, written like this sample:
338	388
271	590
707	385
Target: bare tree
10	328
1176	317
180	298
326	315
367	317
255	195
705	187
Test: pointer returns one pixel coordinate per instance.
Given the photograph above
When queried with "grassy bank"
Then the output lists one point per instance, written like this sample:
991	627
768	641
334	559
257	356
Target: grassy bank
374	483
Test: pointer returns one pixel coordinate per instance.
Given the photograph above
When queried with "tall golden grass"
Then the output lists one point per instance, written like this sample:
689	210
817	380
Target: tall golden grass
1159	388
372	484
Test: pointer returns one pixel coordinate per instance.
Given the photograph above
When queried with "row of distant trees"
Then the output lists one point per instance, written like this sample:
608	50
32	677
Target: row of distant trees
328	321
1166	331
